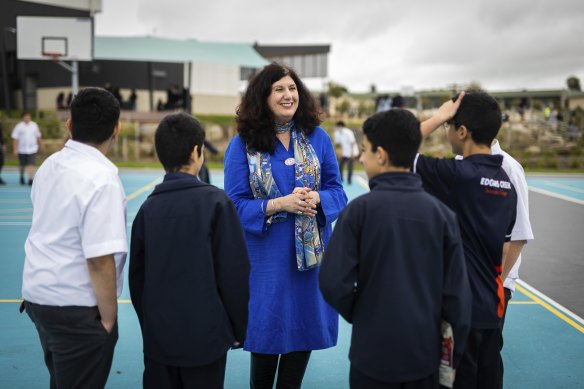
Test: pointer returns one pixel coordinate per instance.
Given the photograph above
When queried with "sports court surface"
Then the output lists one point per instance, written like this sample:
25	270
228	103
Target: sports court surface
544	332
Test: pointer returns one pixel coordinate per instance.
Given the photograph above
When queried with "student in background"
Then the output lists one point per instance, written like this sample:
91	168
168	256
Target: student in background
26	143
345	138
394	267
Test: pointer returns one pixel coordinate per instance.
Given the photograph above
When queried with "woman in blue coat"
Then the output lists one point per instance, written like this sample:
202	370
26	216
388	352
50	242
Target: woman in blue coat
281	173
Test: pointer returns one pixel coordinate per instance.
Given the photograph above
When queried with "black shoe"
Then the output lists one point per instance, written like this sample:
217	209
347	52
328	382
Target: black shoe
30	182
2	182
21	180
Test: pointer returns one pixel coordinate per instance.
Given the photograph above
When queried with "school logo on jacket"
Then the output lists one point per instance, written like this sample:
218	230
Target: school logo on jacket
495	187
290	162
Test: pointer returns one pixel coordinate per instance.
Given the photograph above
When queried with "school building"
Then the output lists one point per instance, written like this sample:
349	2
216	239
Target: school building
213	74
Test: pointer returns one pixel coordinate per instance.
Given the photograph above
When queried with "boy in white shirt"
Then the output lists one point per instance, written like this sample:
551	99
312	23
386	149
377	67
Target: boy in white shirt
26	140
76	247
344	137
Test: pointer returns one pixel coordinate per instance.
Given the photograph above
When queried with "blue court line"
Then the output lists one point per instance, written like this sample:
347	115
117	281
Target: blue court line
569	189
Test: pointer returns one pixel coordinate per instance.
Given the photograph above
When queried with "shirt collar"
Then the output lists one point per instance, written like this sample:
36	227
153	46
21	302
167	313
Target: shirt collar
496	147
90	152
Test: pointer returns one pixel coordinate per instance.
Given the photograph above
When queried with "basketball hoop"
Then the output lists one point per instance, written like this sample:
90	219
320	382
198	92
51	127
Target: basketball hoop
53	56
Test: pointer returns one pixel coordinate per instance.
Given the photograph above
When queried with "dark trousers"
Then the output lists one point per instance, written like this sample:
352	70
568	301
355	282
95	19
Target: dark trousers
204	174
508	294
350	170
291	369
358	380
78	350
480	367
160	376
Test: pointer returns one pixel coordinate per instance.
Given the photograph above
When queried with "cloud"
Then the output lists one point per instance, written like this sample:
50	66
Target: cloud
501	44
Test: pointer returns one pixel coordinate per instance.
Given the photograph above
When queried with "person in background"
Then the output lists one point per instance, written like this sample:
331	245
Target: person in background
26	138
522	232
282	174
2	151
345	138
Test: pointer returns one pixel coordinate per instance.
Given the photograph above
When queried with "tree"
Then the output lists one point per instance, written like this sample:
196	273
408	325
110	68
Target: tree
573	83
336	90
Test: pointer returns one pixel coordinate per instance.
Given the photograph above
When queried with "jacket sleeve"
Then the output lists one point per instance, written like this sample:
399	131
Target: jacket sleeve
137	266
339	269
231	266
236	185
456	293
332	195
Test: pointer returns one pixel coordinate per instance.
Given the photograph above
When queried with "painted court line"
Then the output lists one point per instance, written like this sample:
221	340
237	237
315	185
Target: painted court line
556	195
557	309
563	186
363	182
145	188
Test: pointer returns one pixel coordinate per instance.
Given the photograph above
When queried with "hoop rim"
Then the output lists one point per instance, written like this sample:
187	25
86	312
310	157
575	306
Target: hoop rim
53	55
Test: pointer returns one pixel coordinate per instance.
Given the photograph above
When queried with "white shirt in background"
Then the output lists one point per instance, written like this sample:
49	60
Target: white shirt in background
79	212
27	136
522	229
346	138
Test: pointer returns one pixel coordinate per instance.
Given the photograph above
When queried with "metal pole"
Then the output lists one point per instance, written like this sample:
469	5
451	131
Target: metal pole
74	77
5	76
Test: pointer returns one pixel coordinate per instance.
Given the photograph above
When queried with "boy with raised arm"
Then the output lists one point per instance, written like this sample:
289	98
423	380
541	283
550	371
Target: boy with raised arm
479	191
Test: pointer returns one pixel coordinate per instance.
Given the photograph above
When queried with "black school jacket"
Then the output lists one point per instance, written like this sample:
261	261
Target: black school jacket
189	272
394	267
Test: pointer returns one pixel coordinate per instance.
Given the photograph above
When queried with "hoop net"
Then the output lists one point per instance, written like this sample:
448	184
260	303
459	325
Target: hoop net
53	56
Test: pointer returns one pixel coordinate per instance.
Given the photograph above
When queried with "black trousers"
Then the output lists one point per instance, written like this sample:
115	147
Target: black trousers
508	295
350	170
480	367
160	376
291	368
78	350
358	380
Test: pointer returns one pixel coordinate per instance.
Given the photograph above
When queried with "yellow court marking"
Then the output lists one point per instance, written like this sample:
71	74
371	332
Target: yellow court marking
551	309
145	188
524	303
20	300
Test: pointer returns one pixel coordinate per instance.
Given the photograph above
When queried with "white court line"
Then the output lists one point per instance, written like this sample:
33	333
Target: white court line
363	182
551	302
562	186
558	196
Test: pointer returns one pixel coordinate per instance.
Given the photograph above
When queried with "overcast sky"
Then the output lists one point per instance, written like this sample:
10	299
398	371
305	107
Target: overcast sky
419	44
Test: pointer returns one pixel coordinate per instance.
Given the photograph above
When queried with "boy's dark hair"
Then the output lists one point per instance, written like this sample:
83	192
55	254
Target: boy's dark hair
340	123
255	120
176	137
22	115
94	115
397	131
480	114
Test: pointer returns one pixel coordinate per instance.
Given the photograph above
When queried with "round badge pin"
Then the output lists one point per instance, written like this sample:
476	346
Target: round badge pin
290	162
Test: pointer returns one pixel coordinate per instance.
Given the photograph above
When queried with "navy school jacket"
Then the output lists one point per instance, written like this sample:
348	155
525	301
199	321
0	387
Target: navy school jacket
395	268
188	272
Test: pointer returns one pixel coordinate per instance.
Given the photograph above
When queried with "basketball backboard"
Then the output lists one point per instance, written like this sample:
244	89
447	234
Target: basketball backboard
65	38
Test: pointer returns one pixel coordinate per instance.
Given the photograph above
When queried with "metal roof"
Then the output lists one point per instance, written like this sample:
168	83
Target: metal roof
291	50
153	49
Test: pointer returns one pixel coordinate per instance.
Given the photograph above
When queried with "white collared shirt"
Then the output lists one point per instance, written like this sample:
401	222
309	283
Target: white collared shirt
346	138
522	229
79	212
27	136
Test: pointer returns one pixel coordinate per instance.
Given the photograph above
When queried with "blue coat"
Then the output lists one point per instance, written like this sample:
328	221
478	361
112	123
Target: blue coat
286	309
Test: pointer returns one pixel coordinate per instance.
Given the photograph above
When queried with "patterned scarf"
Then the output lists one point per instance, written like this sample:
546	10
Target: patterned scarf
309	248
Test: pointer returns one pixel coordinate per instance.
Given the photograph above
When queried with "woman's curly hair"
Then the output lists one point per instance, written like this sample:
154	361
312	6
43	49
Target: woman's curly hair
255	120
